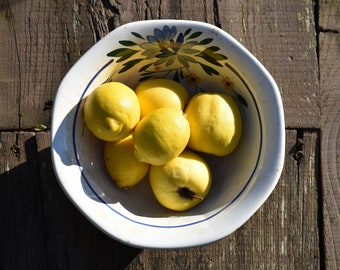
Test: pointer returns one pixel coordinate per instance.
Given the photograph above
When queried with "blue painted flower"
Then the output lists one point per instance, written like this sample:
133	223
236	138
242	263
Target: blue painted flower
164	46
164	35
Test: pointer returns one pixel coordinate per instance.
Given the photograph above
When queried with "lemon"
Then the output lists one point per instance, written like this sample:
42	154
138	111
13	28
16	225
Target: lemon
111	111
161	136
215	123
182	183
121	163
158	93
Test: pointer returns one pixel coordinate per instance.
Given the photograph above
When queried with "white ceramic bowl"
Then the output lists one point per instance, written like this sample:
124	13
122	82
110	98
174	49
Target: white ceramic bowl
203	58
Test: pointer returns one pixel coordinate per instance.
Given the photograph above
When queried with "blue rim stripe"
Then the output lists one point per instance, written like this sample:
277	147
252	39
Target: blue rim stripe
147	224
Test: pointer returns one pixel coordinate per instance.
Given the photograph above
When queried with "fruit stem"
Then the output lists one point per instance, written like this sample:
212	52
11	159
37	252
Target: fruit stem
198	197
188	194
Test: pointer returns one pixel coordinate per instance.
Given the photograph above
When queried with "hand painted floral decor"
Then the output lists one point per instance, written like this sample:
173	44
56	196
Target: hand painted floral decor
170	54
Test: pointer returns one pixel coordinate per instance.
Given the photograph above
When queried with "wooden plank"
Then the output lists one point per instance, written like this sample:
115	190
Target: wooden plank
330	144
74	242
9	109
42	229
42	40
282	234
329	16
21	203
329	43
280	34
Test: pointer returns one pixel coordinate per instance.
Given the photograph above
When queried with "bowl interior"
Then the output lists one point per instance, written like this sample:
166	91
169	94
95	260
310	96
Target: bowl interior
198	61
201	57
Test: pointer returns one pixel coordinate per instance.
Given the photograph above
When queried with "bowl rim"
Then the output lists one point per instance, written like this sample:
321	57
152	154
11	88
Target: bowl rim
244	200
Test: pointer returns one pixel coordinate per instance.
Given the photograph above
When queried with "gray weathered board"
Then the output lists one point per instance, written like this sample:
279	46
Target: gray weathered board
298	227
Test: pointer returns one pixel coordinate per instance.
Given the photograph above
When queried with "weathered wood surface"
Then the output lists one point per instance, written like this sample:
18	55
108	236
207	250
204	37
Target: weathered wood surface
297	228
42	39
329	59
44	230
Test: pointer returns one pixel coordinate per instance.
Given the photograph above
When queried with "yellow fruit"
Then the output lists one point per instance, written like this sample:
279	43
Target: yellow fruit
182	183
161	136
111	111
215	123
158	93
122	165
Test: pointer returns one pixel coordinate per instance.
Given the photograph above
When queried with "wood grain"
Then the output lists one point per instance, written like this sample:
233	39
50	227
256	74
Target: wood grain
8	71
281	34
43	230
299	225
44	38
330	144
329	16
40	49
329	59
36	212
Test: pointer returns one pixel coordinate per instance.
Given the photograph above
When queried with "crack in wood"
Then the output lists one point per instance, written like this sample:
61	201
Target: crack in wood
216	14
114	13
9	17
320	29
104	17
149	11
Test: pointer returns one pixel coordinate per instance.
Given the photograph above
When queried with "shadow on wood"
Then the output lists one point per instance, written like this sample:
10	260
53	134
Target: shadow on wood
36	212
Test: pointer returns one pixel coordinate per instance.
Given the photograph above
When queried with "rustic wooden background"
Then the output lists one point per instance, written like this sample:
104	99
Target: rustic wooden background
297	228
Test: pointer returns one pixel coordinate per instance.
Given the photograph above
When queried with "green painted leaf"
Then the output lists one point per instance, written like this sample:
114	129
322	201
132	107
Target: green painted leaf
127	43
188	45
160	61
145	67
219	56
176	76
185	59
189	51
170	60
128	53
209	59
151	53
117	52
188	58
137	35
212	49
242	100
195	35
148	73
209	70
205	41
144	78
122	53
181	73
148	46
130	64
212	57
187	32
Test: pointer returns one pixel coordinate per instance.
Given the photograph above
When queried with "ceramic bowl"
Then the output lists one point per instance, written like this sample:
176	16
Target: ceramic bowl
203	58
